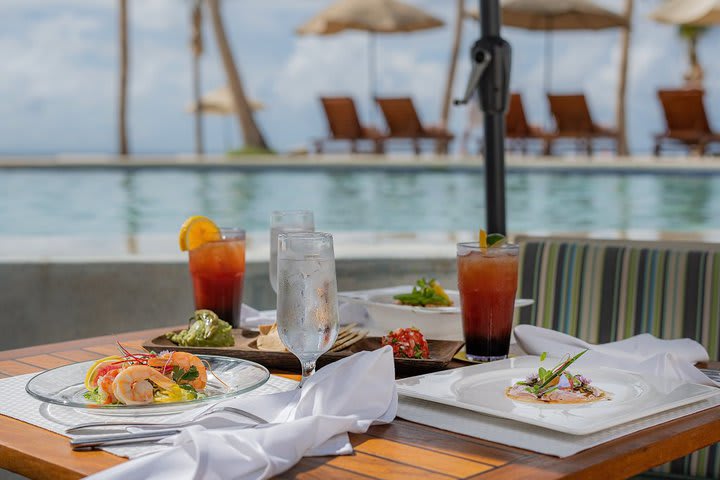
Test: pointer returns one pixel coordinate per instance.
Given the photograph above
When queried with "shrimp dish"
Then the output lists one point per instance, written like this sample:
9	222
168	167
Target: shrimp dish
144	378
556	385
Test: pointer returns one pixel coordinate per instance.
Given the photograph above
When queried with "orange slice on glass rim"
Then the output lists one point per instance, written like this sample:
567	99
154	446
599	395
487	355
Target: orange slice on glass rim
482	237
197	231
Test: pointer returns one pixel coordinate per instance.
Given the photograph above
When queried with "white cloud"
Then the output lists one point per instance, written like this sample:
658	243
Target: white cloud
60	70
49	59
323	66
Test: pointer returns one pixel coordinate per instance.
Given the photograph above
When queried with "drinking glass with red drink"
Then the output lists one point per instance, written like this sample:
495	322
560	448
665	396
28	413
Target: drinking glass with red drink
487	281
217	268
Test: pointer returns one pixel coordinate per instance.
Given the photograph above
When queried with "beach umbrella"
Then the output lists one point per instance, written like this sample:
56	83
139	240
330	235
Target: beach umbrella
556	15
693	17
688	12
220	102
372	16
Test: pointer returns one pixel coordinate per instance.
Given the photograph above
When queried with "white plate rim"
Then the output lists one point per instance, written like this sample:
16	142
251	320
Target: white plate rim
362	297
610	423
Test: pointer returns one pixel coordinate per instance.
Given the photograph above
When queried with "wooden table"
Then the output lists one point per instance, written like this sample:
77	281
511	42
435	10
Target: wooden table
400	450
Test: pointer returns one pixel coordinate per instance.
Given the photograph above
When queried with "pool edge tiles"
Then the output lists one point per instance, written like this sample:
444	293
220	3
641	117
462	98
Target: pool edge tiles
600	163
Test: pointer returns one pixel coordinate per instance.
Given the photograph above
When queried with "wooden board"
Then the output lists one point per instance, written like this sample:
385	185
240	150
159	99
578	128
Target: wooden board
441	353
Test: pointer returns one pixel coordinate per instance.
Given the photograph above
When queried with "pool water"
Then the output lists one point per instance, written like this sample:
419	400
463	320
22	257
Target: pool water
80	202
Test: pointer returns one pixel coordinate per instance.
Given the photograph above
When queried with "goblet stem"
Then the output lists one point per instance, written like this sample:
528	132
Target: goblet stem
308	368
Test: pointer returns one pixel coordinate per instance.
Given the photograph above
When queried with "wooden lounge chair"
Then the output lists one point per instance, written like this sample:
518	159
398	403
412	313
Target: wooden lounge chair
404	123
517	129
686	121
344	125
574	122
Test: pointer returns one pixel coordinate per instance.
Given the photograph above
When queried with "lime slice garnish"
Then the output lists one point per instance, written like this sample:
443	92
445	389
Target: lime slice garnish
495	239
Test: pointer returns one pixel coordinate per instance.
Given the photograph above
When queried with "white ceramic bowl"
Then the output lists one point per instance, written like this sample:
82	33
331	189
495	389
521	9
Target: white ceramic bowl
437	323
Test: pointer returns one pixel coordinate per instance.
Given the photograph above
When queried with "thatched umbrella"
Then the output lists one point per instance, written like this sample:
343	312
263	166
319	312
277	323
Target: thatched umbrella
220	102
556	15
569	15
373	16
693	17
689	12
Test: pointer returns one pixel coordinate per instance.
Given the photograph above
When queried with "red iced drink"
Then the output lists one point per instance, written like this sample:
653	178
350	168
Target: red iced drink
218	273
487	280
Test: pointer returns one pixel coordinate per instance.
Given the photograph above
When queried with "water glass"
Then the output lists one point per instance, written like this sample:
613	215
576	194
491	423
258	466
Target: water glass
307	313
286	221
487	281
218	275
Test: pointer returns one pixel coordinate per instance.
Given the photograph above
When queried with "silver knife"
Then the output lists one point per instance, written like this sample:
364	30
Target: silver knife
95	441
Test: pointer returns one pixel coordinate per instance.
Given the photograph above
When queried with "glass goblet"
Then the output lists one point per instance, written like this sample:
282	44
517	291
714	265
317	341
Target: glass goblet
307	313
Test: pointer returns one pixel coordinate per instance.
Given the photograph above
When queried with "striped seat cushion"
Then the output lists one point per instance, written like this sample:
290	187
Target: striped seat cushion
603	291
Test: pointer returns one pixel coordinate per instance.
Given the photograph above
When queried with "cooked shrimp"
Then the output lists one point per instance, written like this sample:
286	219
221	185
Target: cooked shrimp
132	385
105	386
185	361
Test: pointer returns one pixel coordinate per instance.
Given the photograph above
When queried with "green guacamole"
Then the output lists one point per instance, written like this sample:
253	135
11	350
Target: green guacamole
205	330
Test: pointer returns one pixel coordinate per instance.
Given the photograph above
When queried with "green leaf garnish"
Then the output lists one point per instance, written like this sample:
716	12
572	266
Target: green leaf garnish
92	395
543	356
180	375
424	293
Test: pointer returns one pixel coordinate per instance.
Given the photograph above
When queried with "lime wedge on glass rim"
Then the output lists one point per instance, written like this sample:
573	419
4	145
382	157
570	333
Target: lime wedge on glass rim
495	239
490	240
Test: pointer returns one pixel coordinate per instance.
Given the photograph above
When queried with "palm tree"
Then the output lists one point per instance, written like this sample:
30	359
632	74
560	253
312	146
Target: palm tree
620	114
457	36
122	94
250	132
692	33
196	47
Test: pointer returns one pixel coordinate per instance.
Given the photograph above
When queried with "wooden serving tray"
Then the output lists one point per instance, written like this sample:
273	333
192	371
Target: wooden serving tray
441	353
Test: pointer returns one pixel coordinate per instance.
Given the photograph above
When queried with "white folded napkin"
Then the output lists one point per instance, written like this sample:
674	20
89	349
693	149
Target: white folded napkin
642	353
346	396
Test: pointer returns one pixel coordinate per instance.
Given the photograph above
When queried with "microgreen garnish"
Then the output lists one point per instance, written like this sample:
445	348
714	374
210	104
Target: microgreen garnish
92	395
543	356
180	375
541	384
425	293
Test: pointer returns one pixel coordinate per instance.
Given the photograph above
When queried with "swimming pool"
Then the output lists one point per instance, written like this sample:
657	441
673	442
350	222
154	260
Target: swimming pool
148	201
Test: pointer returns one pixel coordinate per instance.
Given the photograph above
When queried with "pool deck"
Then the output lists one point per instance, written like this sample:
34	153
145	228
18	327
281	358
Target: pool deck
600	163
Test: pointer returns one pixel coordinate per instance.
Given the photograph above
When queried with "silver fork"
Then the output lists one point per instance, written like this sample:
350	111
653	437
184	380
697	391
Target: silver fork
239	411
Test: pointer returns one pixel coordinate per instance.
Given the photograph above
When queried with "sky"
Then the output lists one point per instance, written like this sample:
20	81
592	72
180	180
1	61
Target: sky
58	78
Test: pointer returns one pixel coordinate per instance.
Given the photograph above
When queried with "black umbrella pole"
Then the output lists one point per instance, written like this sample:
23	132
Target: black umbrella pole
495	173
493	94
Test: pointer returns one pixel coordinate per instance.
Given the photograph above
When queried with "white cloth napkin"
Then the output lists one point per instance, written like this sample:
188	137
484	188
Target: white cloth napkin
642	353
346	396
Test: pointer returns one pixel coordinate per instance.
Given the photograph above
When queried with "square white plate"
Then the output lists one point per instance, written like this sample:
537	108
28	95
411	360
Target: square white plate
438	323
481	388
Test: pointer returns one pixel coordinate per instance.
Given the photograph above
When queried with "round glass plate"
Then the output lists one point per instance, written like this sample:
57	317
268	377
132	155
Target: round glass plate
227	377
